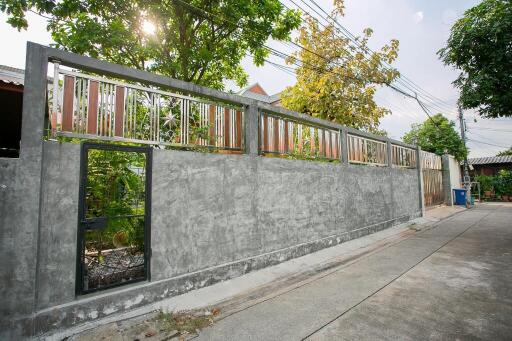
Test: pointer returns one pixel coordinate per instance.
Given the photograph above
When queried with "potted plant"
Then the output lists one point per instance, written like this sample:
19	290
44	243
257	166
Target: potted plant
503	185
486	185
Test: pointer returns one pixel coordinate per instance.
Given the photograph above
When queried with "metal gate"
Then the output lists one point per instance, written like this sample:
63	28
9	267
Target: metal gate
431	166
114	216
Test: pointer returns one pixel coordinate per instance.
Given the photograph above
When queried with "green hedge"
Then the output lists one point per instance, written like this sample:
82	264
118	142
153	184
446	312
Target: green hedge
501	184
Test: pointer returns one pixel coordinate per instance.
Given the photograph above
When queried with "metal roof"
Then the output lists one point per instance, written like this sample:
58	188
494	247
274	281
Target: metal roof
12	75
490	160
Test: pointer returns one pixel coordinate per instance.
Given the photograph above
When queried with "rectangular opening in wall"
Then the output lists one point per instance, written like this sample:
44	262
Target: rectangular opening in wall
11	97
114	216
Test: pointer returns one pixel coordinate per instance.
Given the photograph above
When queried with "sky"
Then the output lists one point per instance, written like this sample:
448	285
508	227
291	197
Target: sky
421	26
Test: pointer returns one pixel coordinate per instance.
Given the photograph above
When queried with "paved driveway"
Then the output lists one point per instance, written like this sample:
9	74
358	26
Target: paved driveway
450	282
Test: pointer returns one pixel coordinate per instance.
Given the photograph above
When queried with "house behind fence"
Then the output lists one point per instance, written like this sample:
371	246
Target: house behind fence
132	187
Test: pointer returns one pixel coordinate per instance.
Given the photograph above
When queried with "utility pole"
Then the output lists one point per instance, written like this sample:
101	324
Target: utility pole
467	179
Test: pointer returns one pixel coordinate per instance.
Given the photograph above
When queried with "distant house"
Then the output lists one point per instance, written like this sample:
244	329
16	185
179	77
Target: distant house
255	91
11	99
489	165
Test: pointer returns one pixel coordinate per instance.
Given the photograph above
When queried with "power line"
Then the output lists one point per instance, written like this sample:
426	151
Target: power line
484	137
490	129
490	144
353	39
285	56
405	80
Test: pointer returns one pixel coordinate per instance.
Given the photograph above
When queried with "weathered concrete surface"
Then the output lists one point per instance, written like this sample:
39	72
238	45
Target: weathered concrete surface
214	217
444	283
213	209
235	213
19	205
59	221
9	201
243	291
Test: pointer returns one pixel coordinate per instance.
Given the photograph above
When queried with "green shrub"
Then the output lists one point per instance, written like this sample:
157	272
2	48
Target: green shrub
486	182
500	183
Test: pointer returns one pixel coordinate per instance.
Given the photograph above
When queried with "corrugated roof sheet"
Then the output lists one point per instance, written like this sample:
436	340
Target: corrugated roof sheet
490	160
12	75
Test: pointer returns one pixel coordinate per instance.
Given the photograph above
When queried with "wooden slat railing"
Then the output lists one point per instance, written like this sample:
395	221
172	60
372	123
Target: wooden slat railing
403	157
365	151
86	106
281	136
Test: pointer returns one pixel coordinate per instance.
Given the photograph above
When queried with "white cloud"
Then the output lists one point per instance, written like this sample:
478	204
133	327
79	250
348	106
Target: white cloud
418	17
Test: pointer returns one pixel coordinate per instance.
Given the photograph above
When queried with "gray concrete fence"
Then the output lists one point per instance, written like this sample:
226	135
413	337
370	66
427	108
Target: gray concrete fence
213	216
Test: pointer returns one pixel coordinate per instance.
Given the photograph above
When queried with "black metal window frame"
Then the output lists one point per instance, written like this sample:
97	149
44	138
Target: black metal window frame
85	147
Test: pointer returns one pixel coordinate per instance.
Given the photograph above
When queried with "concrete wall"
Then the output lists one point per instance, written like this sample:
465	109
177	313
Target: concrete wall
451	177
214	217
455	173
210	209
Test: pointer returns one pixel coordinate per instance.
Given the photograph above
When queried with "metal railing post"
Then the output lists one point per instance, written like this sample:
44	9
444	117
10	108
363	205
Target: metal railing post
251	129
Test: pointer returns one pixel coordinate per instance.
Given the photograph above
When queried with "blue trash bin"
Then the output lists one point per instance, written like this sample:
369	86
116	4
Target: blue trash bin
460	196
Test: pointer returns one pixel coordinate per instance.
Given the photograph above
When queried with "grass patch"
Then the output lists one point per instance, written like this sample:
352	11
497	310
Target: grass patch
185	322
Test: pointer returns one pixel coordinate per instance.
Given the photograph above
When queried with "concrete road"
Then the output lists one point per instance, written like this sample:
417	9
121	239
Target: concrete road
453	281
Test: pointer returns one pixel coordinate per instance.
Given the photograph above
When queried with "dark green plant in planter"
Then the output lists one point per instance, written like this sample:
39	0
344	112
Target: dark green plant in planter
506	177
502	183
486	182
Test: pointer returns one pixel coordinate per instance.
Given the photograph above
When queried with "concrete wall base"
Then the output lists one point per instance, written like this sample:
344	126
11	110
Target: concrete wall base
137	295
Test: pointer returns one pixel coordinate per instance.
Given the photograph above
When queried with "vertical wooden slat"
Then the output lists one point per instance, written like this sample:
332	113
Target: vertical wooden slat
238	129
276	135
119	114
327	136
350	148
328	144
227	126
291	137
300	138
211	125
67	103
321	142
335	147
286	137
357	149
312	144
265	133
92	108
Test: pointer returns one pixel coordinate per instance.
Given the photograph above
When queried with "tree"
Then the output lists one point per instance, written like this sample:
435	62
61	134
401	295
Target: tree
479	46
437	135
505	152
336	80
199	41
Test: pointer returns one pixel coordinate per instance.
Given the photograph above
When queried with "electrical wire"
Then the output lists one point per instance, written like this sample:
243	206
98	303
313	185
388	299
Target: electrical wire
490	144
489	129
300	63
405	80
